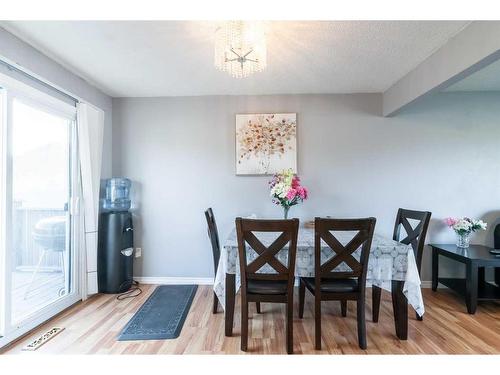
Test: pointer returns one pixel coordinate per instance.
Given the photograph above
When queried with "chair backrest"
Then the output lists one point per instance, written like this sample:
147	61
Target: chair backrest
213	234
343	253
266	255
414	236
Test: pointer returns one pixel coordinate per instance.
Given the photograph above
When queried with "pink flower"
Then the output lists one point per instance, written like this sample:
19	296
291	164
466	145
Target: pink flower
295	182
306	193
449	221
291	194
302	192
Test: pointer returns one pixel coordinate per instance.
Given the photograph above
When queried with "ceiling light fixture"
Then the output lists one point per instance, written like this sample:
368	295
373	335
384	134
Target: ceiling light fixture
240	48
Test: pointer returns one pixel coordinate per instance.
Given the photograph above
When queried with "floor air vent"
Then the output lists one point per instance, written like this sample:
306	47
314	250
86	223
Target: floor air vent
35	344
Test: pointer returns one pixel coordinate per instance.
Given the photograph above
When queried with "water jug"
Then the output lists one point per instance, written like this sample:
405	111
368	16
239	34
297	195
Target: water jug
117	194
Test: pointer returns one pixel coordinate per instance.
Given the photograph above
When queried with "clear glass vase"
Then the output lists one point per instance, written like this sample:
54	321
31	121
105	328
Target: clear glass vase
463	240
285	212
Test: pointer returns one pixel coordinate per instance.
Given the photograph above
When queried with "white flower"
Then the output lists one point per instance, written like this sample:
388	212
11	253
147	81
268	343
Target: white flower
279	190
480	224
463	225
466	225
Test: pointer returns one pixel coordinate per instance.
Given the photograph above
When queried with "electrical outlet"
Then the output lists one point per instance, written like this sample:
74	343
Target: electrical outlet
138	252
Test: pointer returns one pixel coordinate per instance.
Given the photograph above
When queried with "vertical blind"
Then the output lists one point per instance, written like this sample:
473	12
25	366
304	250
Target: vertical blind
90	139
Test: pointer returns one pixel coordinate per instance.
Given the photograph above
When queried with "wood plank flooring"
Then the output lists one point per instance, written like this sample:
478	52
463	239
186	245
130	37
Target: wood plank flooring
92	328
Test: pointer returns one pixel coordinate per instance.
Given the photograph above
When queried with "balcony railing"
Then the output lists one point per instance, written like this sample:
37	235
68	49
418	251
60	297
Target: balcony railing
26	250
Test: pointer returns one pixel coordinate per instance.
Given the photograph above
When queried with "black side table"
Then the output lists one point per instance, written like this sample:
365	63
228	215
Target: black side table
474	287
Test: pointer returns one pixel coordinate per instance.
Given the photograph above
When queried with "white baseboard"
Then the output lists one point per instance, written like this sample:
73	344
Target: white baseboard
426	284
175	280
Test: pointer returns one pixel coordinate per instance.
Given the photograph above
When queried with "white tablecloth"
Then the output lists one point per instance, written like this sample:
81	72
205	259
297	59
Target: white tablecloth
389	260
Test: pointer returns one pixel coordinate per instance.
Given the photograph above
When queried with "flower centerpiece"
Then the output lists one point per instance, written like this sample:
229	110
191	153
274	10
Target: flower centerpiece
286	190
463	227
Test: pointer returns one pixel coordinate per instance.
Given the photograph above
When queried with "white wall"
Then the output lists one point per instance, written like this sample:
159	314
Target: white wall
441	155
14	49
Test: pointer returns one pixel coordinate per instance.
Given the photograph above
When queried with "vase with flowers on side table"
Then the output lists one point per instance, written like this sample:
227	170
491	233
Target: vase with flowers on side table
463	228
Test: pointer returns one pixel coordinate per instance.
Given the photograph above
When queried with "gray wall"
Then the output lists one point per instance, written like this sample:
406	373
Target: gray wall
15	50
441	155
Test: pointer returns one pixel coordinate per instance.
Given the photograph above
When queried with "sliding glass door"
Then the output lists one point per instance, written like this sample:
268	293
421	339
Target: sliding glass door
40	231
39	270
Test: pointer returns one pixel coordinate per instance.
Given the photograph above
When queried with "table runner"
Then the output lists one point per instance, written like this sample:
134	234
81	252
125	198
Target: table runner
389	260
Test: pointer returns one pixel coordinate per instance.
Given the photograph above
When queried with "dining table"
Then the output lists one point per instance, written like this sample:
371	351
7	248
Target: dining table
391	266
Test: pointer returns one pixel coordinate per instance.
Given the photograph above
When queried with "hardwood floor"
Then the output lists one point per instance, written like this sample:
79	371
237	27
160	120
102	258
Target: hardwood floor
92	328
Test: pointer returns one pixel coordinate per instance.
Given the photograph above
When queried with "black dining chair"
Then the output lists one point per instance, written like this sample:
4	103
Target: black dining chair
260	285
213	235
414	236
330	285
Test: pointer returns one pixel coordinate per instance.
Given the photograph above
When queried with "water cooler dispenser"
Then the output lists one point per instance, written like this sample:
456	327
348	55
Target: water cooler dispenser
116	239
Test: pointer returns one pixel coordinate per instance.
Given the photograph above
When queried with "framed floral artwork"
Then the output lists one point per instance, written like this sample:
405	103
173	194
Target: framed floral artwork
266	143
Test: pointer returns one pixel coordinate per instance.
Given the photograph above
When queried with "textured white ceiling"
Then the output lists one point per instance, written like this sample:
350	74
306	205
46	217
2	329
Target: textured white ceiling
175	58
486	79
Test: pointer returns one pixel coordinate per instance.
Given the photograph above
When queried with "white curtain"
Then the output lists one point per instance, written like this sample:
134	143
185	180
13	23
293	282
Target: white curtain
90	139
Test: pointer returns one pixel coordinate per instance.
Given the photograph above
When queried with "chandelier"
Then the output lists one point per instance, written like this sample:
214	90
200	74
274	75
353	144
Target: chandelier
240	48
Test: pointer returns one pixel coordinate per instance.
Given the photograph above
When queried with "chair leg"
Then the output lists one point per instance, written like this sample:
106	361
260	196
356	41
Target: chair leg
230	301
343	307
376	294
289	326
302	296
361	323
317	321
215	304
257	305
244	325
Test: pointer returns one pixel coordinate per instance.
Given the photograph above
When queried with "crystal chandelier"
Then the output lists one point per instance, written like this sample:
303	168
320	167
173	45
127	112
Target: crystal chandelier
240	48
